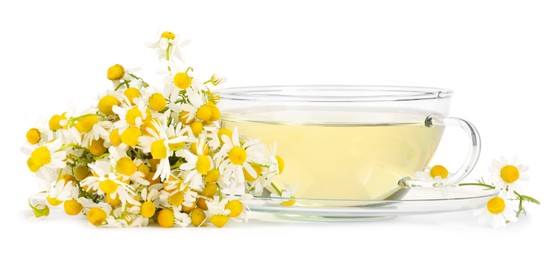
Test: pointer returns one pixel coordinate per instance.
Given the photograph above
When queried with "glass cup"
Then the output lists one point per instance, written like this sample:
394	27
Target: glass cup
349	142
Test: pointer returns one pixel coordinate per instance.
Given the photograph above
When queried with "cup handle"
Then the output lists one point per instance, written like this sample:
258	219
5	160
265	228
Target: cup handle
467	166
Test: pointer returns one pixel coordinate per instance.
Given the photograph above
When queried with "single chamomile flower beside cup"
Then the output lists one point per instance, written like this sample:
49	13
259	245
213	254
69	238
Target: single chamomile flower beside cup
507	174
498	211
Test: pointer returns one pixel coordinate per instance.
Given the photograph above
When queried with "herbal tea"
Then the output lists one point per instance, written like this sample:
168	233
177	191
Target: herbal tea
346	161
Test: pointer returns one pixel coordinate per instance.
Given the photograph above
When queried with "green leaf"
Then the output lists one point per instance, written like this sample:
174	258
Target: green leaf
530	199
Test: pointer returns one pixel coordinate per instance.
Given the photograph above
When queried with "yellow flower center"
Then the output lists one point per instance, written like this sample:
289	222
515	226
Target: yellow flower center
66	177
210	190
197	216
147	210
510	174
85	124
131	94
115	72
40	156
281	163
114	137
53	201
143	168
81	172
216	114
159	149
496	205
219	220
237	155
132	114
203	164
33	136
108	186
235	207
97	148
32	166
211	176
201	203
204	113
96	216
176	199
183	118
54	122
130	136
249	177
157	102
113	201
106	104
197	128
188	209
440	171
168	35
166	218
182	80
126	166
224	131
72	207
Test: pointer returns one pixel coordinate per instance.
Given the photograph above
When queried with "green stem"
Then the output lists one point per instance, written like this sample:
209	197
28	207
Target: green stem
72	120
477	184
276	189
68	146
219	192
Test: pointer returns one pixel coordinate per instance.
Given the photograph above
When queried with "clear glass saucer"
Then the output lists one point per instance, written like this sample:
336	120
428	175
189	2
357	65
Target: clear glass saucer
411	201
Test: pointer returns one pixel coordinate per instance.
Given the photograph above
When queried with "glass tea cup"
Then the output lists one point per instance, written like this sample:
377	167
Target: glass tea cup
349	142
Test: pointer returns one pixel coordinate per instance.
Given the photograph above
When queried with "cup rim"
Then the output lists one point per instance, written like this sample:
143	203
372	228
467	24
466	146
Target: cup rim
333	93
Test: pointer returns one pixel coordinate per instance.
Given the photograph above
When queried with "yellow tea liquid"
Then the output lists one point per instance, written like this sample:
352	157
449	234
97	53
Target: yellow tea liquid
346	161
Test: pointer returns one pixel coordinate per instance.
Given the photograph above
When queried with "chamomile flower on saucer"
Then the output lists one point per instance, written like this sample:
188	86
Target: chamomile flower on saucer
498	212
434	175
507	174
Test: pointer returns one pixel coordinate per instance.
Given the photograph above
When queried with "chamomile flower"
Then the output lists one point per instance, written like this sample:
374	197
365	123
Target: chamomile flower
433	175
105	181
168	46
507	174
218	214
125	166
62	191
132	115
288	195
498	211
46	158
158	144
234	158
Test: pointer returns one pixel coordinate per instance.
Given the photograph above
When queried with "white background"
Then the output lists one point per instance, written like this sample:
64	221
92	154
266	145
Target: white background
500	57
